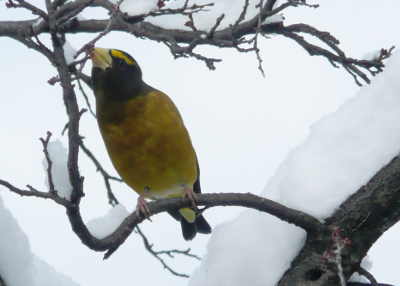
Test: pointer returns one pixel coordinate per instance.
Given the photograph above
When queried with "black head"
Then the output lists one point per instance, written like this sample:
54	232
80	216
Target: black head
115	74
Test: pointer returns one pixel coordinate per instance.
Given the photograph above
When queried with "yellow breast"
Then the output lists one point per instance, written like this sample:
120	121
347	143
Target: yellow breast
149	145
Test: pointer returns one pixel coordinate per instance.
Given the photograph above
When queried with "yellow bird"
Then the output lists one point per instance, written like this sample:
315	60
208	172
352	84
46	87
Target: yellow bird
145	137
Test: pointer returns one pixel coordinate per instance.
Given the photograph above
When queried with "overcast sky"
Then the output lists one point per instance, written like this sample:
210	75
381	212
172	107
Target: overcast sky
242	126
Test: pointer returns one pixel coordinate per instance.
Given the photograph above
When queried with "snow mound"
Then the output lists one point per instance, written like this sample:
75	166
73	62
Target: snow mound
59	157
18	265
105	225
343	151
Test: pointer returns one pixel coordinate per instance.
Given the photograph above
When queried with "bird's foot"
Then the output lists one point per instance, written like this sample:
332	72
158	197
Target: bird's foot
188	193
142	208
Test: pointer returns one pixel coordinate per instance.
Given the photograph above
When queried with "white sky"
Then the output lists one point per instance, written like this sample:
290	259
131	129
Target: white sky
242	126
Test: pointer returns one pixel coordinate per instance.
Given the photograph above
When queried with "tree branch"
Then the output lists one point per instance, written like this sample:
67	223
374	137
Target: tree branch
170	253
32	192
111	197
71	107
23	4
360	220
300	219
114	240
177	40
45	143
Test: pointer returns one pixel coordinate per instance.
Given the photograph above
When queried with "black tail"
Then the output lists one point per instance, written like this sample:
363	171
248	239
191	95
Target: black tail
202	225
189	230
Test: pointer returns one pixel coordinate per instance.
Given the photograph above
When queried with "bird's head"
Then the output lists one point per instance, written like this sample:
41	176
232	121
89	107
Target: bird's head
115	72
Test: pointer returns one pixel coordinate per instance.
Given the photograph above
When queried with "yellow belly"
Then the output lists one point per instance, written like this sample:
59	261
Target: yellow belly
150	147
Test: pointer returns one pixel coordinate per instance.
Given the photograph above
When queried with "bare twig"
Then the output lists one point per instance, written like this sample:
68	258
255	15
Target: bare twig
179	51
40	44
85	78
191	23
89	46
111	197
81	5
32	45
230	37
23	4
215	27
242	15
352	66
78	76
184	10
170	253
66	126
89	106
45	143
33	192
255	45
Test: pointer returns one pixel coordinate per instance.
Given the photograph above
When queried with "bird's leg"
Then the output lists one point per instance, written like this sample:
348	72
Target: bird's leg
188	193
142	208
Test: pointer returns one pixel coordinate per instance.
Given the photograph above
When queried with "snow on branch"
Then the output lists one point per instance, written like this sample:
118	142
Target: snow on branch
183	42
115	239
357	219
356	225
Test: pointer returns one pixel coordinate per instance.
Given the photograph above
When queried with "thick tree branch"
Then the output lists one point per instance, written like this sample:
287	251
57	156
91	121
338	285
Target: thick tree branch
114	240
333	250
248	200
360	220
71	108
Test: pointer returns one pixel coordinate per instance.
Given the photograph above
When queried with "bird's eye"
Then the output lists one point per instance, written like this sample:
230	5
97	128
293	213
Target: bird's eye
120	62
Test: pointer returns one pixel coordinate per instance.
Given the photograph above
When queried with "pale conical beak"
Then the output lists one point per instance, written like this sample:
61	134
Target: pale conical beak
101	58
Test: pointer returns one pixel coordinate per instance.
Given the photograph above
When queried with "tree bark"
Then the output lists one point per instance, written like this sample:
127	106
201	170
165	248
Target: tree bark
333	249
351	231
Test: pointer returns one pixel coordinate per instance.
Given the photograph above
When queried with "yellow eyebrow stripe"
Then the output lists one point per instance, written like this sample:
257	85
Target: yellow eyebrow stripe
122	56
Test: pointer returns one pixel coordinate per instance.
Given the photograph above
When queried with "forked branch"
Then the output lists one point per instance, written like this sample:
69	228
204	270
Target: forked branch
183	43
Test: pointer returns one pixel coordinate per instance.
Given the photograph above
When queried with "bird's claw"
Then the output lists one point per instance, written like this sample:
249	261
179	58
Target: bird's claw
142	209
188	193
